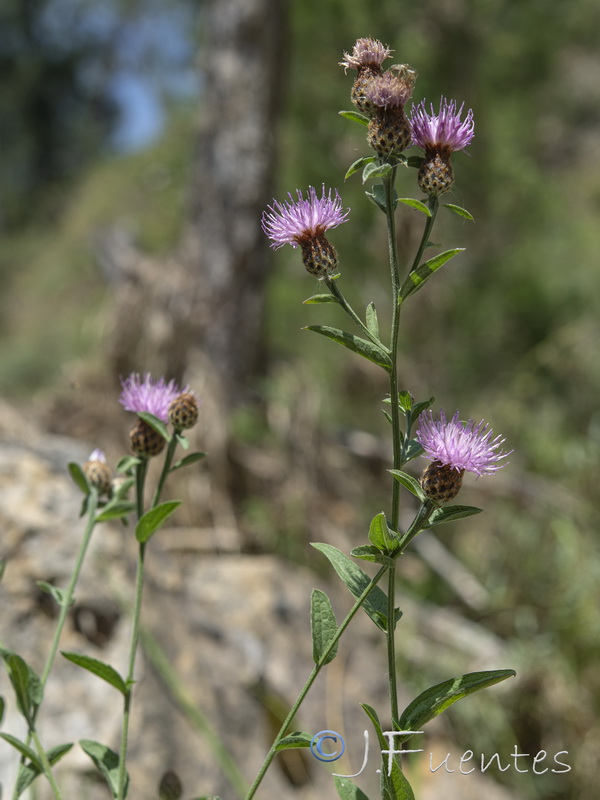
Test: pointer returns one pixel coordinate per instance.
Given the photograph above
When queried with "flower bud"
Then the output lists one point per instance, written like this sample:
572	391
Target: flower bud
170	787
183	411
98	473
436	174
145	441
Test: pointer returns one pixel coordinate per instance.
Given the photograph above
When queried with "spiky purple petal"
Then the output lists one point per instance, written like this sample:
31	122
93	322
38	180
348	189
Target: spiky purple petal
445	130
145	394
294	220
461	446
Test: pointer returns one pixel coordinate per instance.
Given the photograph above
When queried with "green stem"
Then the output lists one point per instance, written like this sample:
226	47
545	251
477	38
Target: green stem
141	470
336	292
311	679
417	524
433	204
45	763
165	470
64	610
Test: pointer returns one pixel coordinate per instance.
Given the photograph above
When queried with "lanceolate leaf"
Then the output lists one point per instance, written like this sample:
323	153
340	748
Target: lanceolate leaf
393	786
358	164
416	204
28	772
379	534
368	552
157	424
26	684
409	483
106	761
293	740
192	458
321	298
99	668
116	509
417	277
449	513
23	749
357	581
323	626
151	521
462	212
377	196
348	790
78	477
355	343
438	698
355	117
372	321
374	170
57	594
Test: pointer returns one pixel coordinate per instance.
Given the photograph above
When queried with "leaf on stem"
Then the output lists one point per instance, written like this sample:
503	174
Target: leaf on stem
182	441
192	458
411	449
24	749
368	552
78	477
416	204
2	707
393	786
99	668
323	626
372	321
438	698
374	170
358	164
25	682
462	212
28	772
157	424
409	483
321	298
127	464
116	509
417	277
107	763
348	790
59	595
377	196
293	740
375	605
151	521
449	513
355	117
362	347
380	535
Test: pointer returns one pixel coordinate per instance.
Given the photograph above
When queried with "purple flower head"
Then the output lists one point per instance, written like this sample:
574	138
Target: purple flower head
301	220
443	131
145	394
460	446
366	53
97	455
388	91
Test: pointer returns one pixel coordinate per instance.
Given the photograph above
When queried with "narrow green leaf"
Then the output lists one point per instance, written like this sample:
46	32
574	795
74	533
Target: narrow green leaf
188	460
377	196
57	594
2	707
409	483
372	321
157	424
106	761
358	164
24	749
416	204
355	117
405	401
379	534
393	786
153	519
418	408
449	513
348	790
374	170
357	581
127	463
78	477
123	488
462	212
99	668
438	698
417	277
182	441
321	298
360	346
388	416
323	626
414	161
367	552
293	740
25	682
28	772
116	509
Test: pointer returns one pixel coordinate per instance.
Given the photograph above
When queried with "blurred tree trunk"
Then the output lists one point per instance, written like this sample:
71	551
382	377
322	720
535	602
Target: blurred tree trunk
209	293
224	247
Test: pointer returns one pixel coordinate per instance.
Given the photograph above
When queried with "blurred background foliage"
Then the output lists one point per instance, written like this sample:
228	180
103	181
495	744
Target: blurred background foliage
509	330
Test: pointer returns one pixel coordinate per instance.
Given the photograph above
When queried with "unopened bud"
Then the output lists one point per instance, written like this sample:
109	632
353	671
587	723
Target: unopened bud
145	441
97	472
183	411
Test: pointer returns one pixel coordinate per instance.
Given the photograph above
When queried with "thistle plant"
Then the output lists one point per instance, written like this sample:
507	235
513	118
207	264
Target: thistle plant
452	446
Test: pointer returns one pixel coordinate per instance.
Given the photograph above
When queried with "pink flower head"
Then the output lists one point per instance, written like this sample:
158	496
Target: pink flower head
366	53
97	455
145	394
460	446
388	91
301	220
443	131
